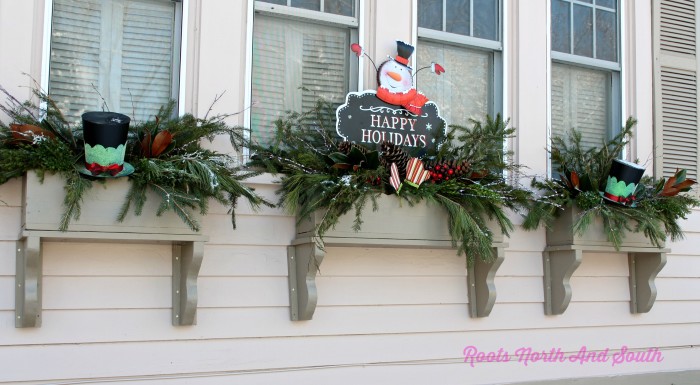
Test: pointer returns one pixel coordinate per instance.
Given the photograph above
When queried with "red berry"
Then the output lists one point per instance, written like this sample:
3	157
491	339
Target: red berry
447	178
437	168
450	171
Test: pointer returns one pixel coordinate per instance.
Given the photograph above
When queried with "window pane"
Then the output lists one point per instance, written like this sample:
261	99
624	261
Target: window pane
340	7
458	17
606	35
583	30
465	90
486	19
581	100
294	64
561	26
430	14
314	5
122	51
607	3
586	1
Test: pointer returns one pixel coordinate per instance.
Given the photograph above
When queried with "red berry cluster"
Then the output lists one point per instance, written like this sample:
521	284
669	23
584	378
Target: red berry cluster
444	171
376	182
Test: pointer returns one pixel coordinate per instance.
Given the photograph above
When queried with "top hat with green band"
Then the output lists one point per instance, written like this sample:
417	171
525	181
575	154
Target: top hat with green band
622	182
105	135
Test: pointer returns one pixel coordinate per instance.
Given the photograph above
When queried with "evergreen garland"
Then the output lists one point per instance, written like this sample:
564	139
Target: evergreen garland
166	153
321	173
583	173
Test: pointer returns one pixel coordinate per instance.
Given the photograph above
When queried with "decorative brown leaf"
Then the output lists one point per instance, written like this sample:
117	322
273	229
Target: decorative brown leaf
574	179
672	188
146	145
25	132
161	143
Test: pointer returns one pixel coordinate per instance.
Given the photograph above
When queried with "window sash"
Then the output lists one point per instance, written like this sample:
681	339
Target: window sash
130	62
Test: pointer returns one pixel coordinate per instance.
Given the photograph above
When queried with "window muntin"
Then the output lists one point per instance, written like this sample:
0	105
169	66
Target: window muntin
297	60
475	18
588	29
123	51
464	37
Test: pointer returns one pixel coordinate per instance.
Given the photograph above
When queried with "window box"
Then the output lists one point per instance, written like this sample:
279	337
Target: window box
42	211
565	249
394	224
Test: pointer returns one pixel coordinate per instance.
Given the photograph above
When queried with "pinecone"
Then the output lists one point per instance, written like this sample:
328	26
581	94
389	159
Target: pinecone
445	170
344	147
391	153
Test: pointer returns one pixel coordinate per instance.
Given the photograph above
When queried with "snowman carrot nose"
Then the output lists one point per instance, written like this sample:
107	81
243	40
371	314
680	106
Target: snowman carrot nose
394	76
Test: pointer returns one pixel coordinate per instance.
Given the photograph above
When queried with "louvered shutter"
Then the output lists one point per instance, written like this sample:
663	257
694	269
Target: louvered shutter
119	50
580	100
675	86
75	56
294	64
147	57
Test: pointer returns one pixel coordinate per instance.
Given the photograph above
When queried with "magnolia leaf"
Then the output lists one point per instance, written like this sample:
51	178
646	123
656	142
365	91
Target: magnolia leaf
338	157
146	145
574	180
25	132
680	176
372	162
161	142
342	166
356	156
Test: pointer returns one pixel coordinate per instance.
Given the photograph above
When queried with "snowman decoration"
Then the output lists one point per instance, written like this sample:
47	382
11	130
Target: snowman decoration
395	78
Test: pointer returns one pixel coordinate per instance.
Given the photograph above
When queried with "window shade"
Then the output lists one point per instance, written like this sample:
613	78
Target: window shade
581	100
294	64
119	50
464	91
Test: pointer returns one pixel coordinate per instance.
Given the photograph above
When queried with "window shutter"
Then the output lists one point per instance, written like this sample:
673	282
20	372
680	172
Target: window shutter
147	57
675	87
75	56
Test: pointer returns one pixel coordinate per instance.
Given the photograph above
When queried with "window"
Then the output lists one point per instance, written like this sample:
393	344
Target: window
465	38
585	85
123	51
300	54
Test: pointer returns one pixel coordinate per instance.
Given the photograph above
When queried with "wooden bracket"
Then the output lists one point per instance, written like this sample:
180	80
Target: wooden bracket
480	284
188	251
644	267
304	259
560	262
558	266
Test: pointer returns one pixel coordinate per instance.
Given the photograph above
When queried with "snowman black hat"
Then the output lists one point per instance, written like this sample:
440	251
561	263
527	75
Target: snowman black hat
404	52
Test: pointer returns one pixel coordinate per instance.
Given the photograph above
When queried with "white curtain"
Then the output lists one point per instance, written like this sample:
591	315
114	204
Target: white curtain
294	64
581	100
465	90
120	50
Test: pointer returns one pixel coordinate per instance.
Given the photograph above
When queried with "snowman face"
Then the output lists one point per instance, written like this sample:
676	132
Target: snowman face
395	77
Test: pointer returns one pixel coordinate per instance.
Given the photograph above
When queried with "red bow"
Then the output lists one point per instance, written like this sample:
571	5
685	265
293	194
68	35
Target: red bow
622	200
97	169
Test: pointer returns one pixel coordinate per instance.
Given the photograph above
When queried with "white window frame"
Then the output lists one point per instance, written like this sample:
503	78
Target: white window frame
181	19
355	79
493	46
616	118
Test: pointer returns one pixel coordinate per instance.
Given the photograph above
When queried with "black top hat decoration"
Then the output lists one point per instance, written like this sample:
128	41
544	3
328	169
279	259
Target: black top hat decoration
105	135
622	182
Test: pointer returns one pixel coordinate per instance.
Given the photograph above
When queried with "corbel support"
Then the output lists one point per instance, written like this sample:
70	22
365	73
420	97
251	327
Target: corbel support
304	260
559	266
644	267
480	283
187	260
28	282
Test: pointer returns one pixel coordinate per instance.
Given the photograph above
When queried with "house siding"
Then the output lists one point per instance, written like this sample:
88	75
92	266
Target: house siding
384	315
